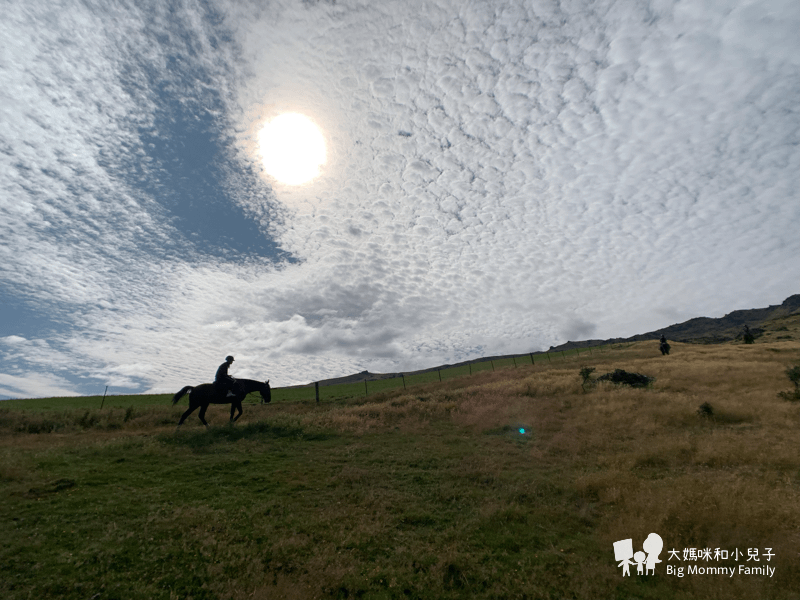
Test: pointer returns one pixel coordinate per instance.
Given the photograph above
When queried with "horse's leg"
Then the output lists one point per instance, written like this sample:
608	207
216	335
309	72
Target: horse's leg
189	411
192	407
234	406
202	414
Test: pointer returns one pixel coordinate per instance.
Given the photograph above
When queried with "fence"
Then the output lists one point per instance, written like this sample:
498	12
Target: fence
319	392
366	387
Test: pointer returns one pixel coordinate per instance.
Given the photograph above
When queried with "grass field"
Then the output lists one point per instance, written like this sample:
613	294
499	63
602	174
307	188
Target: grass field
429	492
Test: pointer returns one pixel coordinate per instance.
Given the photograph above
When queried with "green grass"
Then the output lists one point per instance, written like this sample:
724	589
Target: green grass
384	515
87	402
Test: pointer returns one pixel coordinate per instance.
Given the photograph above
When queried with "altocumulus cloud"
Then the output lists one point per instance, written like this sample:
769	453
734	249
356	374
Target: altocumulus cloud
500	177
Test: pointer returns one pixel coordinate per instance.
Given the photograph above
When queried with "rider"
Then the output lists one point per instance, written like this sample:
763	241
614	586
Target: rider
224	382
663	339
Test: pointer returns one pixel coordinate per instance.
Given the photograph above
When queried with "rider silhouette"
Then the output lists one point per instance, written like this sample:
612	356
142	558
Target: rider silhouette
224	382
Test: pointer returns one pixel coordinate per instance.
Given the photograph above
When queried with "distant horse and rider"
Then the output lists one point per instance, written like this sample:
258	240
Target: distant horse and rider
663	345
224	390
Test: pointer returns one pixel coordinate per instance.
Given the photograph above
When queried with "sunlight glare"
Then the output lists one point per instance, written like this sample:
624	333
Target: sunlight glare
292	148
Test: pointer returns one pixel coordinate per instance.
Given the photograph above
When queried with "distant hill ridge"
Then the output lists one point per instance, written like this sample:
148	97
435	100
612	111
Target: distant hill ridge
700	330
705	330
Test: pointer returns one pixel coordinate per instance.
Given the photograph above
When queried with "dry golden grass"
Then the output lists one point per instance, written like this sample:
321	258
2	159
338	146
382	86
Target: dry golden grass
644	459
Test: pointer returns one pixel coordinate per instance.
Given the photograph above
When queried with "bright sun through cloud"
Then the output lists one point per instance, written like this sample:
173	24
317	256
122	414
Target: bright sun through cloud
292	148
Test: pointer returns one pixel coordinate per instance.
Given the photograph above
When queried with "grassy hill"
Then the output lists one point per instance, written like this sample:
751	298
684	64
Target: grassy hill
430	492
698	330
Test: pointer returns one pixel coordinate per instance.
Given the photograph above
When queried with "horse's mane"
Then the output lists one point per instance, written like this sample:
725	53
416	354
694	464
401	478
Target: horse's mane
250	380
252	383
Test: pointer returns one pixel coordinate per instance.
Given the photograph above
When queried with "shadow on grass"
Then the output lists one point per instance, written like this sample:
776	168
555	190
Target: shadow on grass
259	430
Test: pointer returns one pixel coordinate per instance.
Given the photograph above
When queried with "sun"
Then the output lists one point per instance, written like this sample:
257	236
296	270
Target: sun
292	148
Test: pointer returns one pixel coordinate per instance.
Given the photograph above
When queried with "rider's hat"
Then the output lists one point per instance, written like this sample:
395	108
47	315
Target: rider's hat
229	359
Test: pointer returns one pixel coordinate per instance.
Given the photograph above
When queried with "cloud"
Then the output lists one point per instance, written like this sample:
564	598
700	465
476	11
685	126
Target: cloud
35	385
499	179
578	329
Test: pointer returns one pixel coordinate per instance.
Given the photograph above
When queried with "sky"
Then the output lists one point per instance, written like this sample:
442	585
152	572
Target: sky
499	177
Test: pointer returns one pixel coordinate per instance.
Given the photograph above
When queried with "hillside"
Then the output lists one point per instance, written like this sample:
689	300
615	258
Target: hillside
514	483
700	330
723	329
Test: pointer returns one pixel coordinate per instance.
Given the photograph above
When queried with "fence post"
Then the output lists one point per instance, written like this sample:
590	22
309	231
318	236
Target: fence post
491	361
533	362
563	355
316	390
365	389
404	380
440	374
104	398
470	368
548	357
515	362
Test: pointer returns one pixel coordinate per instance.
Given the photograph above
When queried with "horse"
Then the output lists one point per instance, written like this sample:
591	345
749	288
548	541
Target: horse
202	395
664	347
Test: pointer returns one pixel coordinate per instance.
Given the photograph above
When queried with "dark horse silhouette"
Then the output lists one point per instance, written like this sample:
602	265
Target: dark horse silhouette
664	347
207	393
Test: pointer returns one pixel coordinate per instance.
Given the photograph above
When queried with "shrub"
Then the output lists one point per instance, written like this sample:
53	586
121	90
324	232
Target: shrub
706	410
793	373
585	374
625	378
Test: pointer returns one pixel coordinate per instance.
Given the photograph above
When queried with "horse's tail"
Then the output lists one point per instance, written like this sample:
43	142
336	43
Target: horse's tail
180	394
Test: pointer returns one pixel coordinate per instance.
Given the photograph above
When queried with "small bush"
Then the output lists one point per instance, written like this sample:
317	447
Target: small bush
39	426
706	410
585	374
88	420
625	378
793	373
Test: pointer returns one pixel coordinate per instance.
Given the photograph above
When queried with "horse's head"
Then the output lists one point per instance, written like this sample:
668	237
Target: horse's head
266	392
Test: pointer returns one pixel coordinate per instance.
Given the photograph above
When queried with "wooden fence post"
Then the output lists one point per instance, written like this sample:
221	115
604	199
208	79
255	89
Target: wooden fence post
365	389
533	362
491	361
548	357
316	390
470	368
515	362
104	398
440	374
404	380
